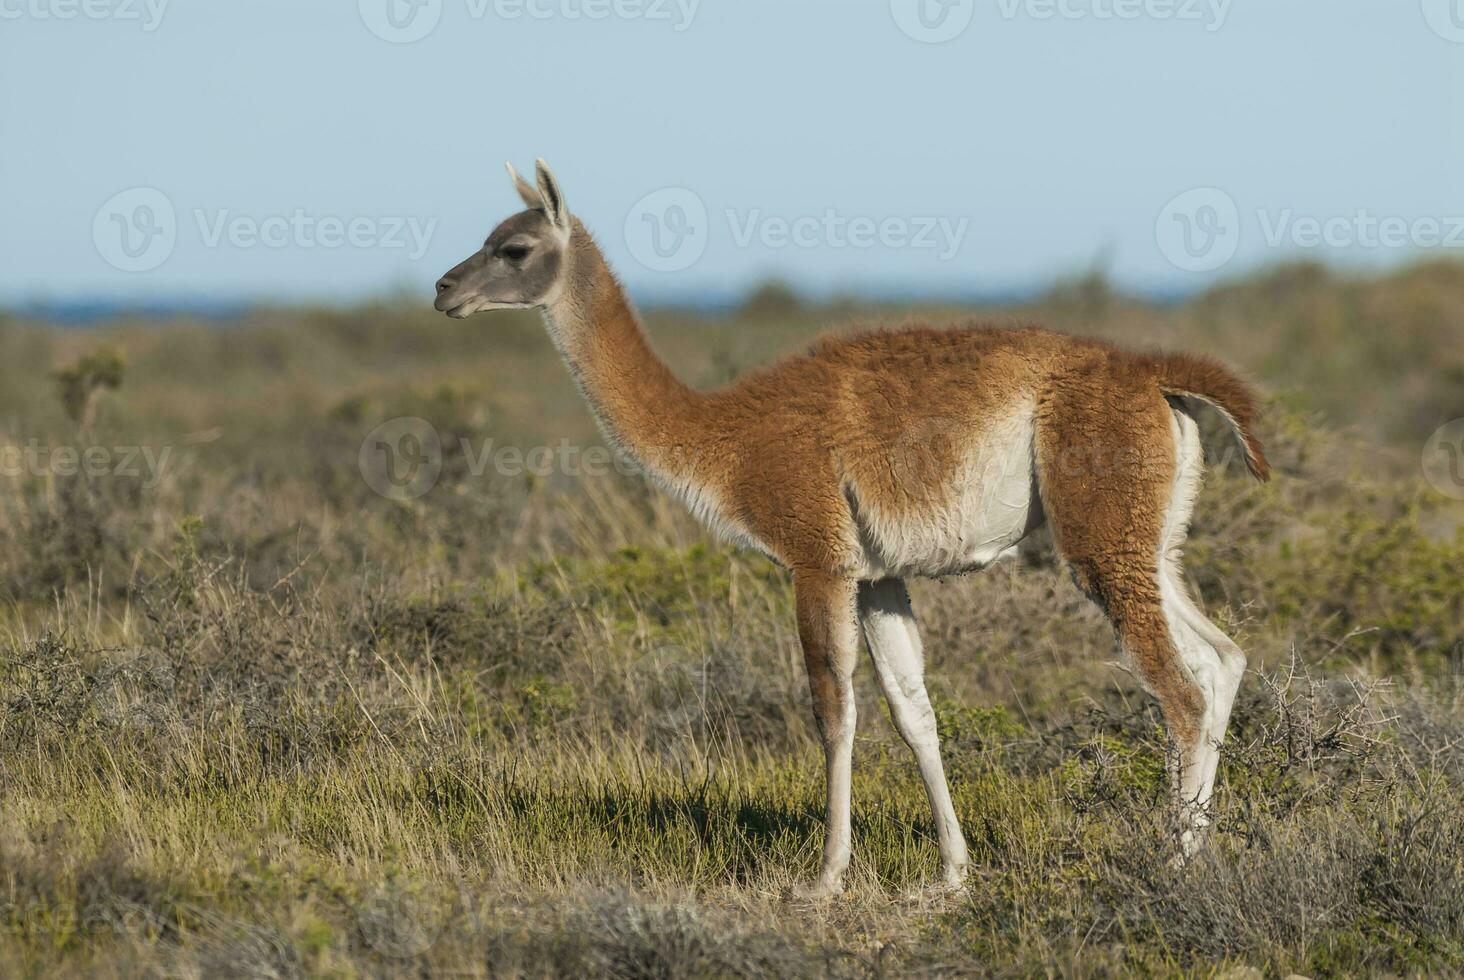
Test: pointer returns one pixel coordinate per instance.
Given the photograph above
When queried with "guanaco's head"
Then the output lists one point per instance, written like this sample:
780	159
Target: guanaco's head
522	263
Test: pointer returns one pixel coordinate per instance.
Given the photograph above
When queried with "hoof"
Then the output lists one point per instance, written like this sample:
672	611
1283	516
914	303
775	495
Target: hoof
955	880
819	891
1189	845
948	886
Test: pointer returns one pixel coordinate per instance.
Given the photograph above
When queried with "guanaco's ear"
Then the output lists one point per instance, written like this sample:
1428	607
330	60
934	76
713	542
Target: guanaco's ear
525	190
553	200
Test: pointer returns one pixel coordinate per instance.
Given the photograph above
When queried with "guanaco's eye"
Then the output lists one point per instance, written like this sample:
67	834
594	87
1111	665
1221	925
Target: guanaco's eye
514	252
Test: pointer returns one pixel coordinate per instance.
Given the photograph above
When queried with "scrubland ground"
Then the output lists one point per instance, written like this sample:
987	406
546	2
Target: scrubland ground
259	720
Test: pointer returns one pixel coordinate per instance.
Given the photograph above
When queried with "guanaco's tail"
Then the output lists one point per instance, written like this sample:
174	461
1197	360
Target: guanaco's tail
1189	376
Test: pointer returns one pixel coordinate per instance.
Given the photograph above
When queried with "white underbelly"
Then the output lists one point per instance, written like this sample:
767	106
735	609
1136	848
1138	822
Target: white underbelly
976	514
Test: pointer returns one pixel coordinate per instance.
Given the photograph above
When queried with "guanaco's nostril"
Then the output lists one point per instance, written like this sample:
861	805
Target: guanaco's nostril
444	284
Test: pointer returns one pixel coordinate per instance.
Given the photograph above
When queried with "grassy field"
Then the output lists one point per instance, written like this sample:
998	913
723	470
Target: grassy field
259	720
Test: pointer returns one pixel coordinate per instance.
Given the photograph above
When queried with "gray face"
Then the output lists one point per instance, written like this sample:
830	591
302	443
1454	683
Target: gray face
517	267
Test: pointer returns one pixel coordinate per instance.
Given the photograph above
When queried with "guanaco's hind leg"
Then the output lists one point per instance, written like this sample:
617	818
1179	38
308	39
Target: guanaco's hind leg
1119	469
1216	662
894	646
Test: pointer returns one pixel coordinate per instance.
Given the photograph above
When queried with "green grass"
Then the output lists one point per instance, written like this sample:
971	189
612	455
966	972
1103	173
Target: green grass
257	721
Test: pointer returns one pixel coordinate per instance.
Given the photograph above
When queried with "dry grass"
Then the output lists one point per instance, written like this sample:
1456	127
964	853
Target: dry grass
256	720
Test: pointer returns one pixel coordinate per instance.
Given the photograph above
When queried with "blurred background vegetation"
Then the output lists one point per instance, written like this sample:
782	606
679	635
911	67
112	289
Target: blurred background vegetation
257	719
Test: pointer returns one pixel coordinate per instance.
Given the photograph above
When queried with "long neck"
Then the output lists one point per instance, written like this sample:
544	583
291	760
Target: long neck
642	406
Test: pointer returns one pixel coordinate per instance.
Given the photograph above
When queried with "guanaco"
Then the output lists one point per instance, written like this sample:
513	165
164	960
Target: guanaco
904	452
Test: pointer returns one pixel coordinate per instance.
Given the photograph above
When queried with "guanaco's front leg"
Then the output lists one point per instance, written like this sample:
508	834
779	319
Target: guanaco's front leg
827	627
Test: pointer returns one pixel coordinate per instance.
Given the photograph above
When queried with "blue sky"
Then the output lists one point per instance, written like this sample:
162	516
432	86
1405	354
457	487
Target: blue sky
711	143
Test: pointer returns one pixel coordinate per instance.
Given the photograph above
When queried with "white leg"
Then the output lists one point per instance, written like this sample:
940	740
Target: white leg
1228	675
1218	666
894	644
1212	658
830	647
